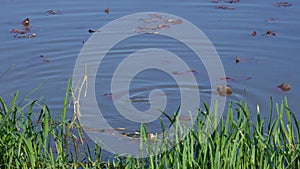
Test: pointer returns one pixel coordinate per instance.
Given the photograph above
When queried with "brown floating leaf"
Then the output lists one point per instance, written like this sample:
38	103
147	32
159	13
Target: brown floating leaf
225	7
237	60
285	87
224	90
283	4
254	33
106	10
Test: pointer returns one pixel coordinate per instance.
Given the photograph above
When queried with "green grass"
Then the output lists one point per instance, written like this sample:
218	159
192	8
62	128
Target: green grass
31	139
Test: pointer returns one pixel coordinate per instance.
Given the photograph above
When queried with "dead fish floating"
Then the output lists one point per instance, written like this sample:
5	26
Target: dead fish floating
285	87
224	90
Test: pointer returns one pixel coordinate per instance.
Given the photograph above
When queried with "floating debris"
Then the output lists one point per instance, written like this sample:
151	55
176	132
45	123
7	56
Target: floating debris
106	10
184	118
154	33
53	12
19	31
155	16
33	35
222	1
136	134
177	73
224	90
225	78
148	20
107	94
137	100
192	71
150	29
236	79
269	33
283	4
225	7
171	21
44	60
272	19
233	1
254	33
132	134
237	59
155	22
285	87
182	73
162	26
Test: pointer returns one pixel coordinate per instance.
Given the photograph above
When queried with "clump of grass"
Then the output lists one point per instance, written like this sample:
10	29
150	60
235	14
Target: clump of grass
31	139
238	142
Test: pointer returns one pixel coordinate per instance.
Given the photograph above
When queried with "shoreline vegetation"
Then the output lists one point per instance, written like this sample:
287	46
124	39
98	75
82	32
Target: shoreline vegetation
30	139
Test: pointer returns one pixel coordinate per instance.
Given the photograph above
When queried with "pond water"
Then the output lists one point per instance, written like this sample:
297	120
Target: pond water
48	59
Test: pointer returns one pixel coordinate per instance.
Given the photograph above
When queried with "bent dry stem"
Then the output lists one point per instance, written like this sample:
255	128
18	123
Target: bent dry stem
30	139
